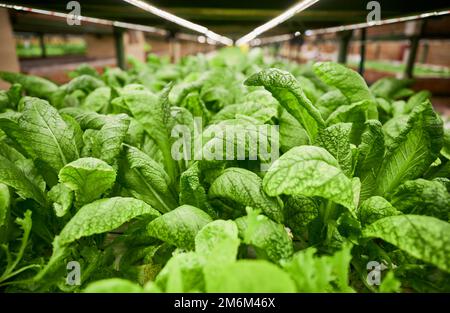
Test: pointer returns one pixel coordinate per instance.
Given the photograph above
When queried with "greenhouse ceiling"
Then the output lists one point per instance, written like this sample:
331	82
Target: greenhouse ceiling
234	19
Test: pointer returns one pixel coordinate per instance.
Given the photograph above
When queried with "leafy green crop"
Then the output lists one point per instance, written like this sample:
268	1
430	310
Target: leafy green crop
322	176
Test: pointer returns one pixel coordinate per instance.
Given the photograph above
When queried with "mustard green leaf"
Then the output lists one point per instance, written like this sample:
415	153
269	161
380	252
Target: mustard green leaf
309	171
218	242
102	216
48	137
179	226
34	86
89	178
423	237
413	151
370	155
147	180
245	188
271	240
423	197
375	208
336	140
287	90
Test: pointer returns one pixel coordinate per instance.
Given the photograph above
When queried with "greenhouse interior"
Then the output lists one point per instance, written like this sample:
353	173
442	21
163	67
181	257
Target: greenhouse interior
225	146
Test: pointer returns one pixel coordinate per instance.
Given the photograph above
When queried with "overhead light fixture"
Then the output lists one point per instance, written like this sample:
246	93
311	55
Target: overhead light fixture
312	32
303	5
180	21
94	20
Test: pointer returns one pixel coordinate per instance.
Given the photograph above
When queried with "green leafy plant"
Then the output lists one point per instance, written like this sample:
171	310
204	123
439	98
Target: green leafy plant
88	174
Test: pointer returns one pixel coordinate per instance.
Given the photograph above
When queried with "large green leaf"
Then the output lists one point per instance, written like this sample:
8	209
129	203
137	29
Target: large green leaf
102	216
371	153
285	88
336	140
271	240
375	208
422	196
192	191
413	151
424	237
180	226
147	180
45	135
15	177
245	188
153	113
88	177
309	171
34	86
218	242
349	82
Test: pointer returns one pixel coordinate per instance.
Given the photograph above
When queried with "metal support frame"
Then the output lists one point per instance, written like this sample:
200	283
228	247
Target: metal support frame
414	46
42	45
120	50
344	41
362	51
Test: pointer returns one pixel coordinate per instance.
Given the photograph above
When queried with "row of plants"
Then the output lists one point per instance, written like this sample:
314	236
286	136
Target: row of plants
357	201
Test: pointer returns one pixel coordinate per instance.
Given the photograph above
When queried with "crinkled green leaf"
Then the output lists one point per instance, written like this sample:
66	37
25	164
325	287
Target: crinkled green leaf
180	226
424	237
86	83
62	198
88	177
309	171
413	151
393	128
218	242
34	86
299	211
336	140
101	216
270	239
416	100
48	137
285	88
422	197
16	178
98	99
349	82
147	180
245	188
192	191
153	113
375	208
330	101
370	155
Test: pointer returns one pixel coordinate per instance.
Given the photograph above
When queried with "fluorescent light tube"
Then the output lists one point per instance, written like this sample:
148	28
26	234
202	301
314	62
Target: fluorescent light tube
143	28
180	21
301	6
